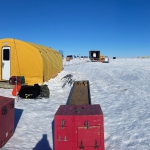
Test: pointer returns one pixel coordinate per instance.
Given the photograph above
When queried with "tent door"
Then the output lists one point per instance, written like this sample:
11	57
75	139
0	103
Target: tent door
5	63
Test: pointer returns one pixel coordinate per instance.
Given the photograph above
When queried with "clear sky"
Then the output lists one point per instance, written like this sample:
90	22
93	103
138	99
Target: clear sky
118	28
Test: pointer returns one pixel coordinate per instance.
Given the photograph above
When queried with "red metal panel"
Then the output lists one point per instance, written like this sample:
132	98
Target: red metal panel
6	119
62	133
89	137
79	127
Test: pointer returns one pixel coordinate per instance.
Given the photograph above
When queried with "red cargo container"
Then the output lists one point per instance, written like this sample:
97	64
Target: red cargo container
79	127
6	119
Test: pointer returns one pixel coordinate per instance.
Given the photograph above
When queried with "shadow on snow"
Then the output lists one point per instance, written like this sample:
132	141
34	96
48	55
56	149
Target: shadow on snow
18	113
43	144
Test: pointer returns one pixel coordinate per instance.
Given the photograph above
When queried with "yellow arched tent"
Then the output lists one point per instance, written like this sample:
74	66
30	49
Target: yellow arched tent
35	62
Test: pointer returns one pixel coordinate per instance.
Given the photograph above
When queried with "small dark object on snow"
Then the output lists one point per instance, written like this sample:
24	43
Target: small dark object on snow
29	92
67	76
44	91
68	79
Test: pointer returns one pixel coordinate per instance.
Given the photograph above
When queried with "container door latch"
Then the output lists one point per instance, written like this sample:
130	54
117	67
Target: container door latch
86	124
96	144
4	111
81	145
62	124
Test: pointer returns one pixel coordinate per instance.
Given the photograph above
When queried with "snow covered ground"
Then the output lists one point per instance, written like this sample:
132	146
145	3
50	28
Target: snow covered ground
121	87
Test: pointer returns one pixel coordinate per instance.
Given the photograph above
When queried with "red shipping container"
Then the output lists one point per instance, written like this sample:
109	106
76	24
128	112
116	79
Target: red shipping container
79	127
6	119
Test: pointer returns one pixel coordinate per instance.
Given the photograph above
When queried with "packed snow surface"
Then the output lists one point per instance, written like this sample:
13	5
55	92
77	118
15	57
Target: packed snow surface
121	87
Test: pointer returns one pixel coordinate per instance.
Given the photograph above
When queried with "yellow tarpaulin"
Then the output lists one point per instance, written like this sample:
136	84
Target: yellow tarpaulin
35	62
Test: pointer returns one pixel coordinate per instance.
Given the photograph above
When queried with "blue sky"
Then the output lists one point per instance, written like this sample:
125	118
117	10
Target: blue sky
118	28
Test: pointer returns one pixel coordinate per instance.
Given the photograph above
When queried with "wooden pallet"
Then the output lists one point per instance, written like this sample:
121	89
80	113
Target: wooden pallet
80	93
6	85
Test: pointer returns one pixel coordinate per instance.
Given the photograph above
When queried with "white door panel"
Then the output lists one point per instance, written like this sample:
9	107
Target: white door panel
5	63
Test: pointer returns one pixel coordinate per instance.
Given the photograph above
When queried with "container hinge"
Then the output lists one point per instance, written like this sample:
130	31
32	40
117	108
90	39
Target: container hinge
4	110
11	105
59	138
62	124
86	124
96	144
65	138
81	145
77	110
